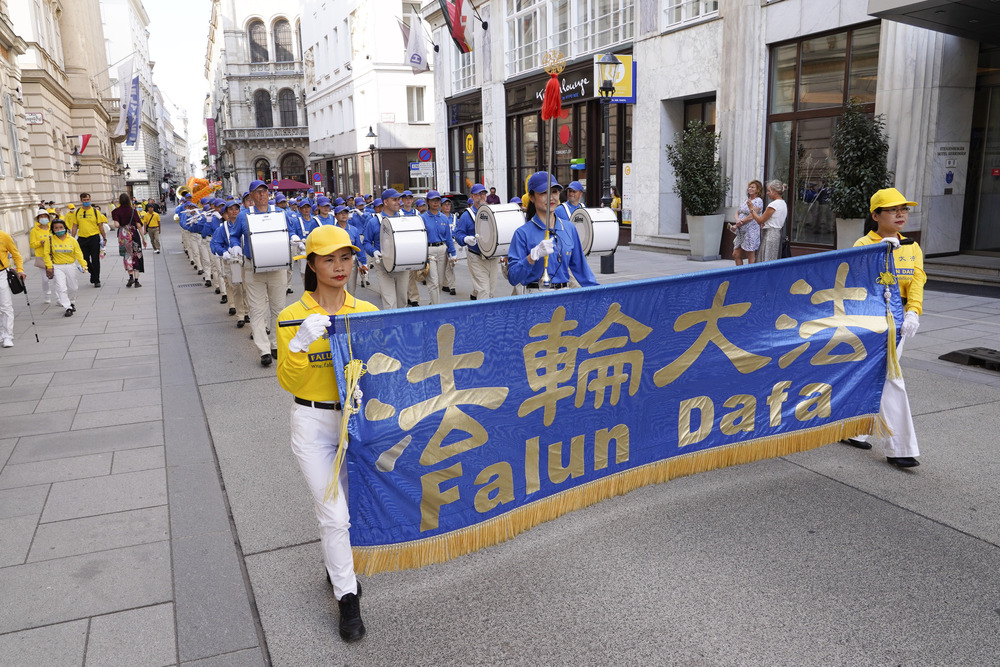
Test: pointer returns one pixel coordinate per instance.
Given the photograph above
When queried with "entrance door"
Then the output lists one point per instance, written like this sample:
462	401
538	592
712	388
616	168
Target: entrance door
981	231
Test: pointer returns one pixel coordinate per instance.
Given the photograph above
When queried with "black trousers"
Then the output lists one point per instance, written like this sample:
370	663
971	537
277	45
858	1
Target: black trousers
90	246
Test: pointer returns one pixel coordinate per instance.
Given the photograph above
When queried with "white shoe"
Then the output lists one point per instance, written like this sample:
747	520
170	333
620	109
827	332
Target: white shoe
157	252
48	298
7	342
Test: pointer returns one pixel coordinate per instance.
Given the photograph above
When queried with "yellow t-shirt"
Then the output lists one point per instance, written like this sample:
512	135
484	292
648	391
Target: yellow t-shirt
64	250
150	218
87	221
909	260
8	249
310	374
38	238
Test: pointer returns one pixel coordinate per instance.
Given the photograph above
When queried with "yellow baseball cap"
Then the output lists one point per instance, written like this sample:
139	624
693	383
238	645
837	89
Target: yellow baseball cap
889	198
72	206
327	239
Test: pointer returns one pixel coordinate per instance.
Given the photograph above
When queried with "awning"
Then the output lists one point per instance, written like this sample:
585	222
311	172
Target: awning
973	19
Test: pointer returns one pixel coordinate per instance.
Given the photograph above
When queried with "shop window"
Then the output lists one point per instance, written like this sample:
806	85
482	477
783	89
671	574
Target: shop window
283	42
415	104
262	170
287	108
262	108
293	167
258	42
680	12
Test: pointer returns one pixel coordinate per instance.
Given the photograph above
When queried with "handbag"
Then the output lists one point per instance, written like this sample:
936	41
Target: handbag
14	281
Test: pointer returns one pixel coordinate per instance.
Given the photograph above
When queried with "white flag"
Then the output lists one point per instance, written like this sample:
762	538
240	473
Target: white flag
416	53
124	86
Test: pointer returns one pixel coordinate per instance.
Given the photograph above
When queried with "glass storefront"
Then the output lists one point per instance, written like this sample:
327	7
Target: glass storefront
465	142
981	219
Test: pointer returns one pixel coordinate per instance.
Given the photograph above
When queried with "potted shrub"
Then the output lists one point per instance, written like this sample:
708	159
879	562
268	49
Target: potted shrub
701	186
860	149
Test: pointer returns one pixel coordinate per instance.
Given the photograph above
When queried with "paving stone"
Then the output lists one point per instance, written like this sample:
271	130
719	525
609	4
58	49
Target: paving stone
55	390
131	460
213	610
54	591
15	539
81	354
121	415
12	394
135	384
15	408
49	366
102	495
99	533
131	351
59	644
6	447
26	379
119	372
31	424
196	502
91	441
246	658
55	470
135	637
28	500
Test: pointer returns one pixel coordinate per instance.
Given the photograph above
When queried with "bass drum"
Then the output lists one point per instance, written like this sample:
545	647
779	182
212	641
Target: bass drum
269	242
598	230
404	243
495	225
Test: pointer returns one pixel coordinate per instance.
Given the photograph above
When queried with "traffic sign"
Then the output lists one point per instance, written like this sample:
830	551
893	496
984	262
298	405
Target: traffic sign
317	177
424	155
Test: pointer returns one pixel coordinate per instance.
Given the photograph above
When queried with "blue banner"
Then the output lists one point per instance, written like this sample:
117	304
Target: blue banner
481	420
132	113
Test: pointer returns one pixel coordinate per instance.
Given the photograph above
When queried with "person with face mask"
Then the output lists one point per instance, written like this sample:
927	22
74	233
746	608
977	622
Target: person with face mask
88	228
63	254
10	258
38	240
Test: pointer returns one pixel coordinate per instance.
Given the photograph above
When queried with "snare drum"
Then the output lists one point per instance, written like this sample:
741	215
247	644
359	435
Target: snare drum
404	243
269	242
495	225
598	230
235	271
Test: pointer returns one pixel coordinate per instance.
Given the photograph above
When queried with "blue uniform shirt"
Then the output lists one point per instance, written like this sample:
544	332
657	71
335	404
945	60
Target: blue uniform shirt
467	227
439	230
568	255
566	210
221	239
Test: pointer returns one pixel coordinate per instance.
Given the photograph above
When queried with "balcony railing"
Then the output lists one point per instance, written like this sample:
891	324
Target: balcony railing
265	133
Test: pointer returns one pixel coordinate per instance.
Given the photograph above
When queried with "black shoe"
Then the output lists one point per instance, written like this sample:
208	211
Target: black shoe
218	290
137	283
452	292
224	299
423	282
97	284
860	444
201	273
208	283
412	304
72	307
246	318
472	298
352	628
68	313
274	353
265	360
240	324
288	291
903	461
131	281
444	289
232	311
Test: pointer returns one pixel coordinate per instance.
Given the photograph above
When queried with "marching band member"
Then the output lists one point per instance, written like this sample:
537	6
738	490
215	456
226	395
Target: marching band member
449	268
9	257
574	193
391	286
303	371
204	230
441	248
62	254
191	224
302	225
265	291
406	203
322	214
213	222
38	240
546	235
342	215
221	240
482	270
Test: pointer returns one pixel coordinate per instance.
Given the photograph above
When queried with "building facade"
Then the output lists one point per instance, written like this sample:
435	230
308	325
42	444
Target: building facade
254	67
357	84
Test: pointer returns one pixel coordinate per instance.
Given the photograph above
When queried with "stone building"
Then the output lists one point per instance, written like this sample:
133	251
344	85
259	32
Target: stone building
254	67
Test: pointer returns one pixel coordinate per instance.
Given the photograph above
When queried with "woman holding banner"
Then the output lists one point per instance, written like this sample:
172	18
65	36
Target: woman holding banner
546	248
889	213
304	371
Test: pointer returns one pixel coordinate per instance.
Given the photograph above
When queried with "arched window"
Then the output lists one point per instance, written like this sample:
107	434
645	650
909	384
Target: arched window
298	35
293	167
262	170
286	106
258	42
262	107
283	42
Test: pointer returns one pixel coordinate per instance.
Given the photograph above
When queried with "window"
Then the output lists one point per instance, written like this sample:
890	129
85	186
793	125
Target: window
262	170
286	107
293	167
679	12
464	71
810	82
15	144
262	108
602	23
415	104
258	42
283	42
298	35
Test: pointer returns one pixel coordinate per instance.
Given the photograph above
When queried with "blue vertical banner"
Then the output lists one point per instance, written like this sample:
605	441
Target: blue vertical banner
482	420
134	119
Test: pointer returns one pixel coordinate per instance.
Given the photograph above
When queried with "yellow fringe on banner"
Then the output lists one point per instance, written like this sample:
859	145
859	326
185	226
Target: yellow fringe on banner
353	371
444	547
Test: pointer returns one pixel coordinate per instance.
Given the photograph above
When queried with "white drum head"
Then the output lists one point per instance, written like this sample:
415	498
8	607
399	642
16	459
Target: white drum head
404	243
495	225
598	230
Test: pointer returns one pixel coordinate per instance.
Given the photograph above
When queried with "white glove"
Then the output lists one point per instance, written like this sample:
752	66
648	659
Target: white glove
310	331
295	238
302	246
470	241
546	247
377	255
911	322
227	255
176	217
893	241
236	252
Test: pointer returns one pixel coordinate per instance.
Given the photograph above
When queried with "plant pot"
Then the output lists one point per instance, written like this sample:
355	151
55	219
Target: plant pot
849	230
705	234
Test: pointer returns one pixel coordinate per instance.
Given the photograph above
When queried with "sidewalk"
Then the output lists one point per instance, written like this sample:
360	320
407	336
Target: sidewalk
151	513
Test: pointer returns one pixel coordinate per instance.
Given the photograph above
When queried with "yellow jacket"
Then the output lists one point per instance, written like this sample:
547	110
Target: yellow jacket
65	250
150	218
9	249
85	222
38	238
910	274
310	374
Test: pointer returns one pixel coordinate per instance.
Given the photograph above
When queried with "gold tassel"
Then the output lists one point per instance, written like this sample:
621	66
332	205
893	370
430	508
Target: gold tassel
353	371
882	429
444	547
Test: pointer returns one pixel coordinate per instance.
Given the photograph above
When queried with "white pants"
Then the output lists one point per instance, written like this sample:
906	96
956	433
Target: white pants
391	287
894	408
412	293
6	310
449	275
65	279
46	287
237	298
484	275
217	271
315	434
265	294
187	240
205	251
437	258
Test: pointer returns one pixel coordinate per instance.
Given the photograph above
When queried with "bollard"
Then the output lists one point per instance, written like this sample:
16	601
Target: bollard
608	263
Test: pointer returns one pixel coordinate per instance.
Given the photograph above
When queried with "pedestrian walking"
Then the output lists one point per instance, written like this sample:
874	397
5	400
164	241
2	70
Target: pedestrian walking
151	221
63	262
87	225
772	221
131	240
10	258
38	240
440	246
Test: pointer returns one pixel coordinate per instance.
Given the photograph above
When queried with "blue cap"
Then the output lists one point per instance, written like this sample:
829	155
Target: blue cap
245	195
315	208
187	195
303	202
575	185
514	200
230	198
256	184
218	202
406	193
231	203
322	201
203	200
312	191
359	201
433	194
340	209
389	193
540	181
419	202
478	188
189	203
338	201
278	198
469	201
377	202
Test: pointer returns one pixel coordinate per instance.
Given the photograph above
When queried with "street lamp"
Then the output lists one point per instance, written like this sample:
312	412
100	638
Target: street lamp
371	148
608	67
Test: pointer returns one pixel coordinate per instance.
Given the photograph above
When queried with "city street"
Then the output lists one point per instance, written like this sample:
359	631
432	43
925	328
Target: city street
152	513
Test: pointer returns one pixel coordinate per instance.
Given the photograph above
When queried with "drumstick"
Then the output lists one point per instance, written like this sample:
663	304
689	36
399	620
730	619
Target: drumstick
290	323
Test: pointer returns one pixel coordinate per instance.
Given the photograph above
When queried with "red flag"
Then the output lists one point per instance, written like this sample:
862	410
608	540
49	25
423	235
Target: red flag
458	14
84	139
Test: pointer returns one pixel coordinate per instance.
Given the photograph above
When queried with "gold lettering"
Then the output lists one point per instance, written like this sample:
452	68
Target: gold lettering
603	438
814	406
531	481
739	420
706	412
559	473
433	497
779	394
500	484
